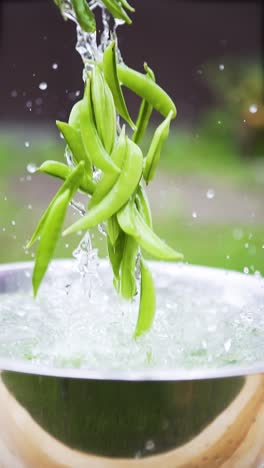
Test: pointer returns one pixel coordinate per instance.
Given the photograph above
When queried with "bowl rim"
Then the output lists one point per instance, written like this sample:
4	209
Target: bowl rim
148	374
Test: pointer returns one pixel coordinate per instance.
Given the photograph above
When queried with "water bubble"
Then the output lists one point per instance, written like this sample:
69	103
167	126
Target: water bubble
43	86
253	109
246	270
31	168
210	194
149	445
27	144
194	214
55	66
221	67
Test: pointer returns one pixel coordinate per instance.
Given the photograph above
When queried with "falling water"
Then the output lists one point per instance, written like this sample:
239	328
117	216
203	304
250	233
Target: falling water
91	47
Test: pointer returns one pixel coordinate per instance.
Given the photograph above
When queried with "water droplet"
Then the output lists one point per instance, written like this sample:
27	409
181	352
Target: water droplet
221	67
227	345
31	168
27	144
77	93
66	246
246	245
253	109
246	270
149	445
228	257
55	66
38	101
210	194
29	104
14	93
43	86
238	234
29	207
194	214
219	122
28	178
13	223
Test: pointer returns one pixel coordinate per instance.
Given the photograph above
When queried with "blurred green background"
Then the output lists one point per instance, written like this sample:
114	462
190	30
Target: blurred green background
207	199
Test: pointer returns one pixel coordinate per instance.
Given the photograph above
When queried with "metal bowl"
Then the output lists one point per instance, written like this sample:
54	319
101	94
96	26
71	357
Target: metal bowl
125	419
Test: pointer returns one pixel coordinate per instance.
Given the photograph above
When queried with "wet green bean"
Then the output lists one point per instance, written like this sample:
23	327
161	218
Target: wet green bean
110	72
147	89
152	159
125	186
49	237
147	305
145	112
84	15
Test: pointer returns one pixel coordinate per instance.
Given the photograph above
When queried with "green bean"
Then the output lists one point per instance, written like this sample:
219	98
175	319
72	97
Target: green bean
145	112
128	286
115	252
74	141
113	229
147	305
84	15
126	5
152	159
142	204
147	89
104	109
49	237
110	73
75	115
72	183
62	171
116	10
108	180
124	187
133	224
91	141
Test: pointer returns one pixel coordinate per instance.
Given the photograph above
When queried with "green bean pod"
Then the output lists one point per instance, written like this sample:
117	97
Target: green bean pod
145	112
127	5
117	10
104	109
113	229
108	180
152	159
49	237
124	187
110	73
128	286
73	138
133	224
147	305
115	252
143	206
147	89
91	141
62	171
84	15
75	115
72	183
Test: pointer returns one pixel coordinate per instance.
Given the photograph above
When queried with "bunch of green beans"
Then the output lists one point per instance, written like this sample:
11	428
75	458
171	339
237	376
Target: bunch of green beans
118	198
